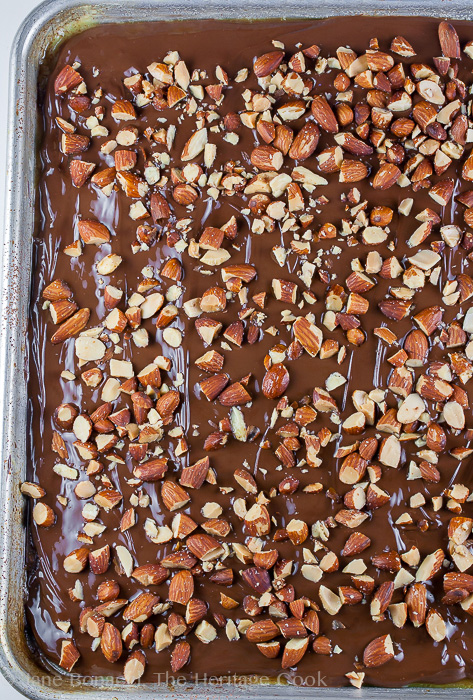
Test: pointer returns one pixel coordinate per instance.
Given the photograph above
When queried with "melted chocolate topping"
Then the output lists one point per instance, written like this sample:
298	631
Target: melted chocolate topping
107	55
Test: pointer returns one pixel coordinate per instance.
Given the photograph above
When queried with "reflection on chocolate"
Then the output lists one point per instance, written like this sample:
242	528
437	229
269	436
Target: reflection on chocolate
107	55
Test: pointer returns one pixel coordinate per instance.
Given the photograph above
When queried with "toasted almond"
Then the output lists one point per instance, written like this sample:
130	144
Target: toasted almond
387	176
69	655
449	41
267	158
275	381
72	326
324	114
181	588
66	80
180	655
111	643
293	652
309	336
267	63
305	142
195	145
135	666
379	651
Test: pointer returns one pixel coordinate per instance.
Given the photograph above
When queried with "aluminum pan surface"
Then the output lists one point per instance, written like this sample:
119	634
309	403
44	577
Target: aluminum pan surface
33	49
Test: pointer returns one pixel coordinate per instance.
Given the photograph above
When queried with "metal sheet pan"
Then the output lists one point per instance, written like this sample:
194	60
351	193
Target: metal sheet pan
33	51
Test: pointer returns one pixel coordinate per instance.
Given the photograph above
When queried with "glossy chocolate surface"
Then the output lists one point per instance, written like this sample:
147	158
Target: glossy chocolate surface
107	55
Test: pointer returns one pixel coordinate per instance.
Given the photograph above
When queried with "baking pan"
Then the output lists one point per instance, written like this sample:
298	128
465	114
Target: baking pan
33	52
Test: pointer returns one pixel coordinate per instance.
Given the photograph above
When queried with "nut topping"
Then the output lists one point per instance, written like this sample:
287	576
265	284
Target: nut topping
252	351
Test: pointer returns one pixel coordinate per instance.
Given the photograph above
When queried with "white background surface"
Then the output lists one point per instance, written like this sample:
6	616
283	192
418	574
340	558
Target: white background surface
12	14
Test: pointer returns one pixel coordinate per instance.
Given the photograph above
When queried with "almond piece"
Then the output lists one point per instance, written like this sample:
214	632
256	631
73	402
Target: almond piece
257	520
293	652
211	361
211	238
395	309
62	309
353	145
435	625
417	347
72	326
141	607
402	47
134	666
275	381
204	547
174	497
267	63
123	110
267	158
80	172
57	291
262	631
74	144
66	80
99	560
195	145
387	176
213	386
181	588
449	41
159	207
76	561
381	599
152	470
430	566
213	300
454	415
379	61
416	599
442	191
111	643
180	655
194	475
309	336
356	543
29	488
43	515
166	405
195	611
324	114
379	651
234	395
69	655
429	319
352	171
305	142
150	574
330	600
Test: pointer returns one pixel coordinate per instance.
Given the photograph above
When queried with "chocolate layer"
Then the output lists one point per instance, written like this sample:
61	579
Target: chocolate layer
107	55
